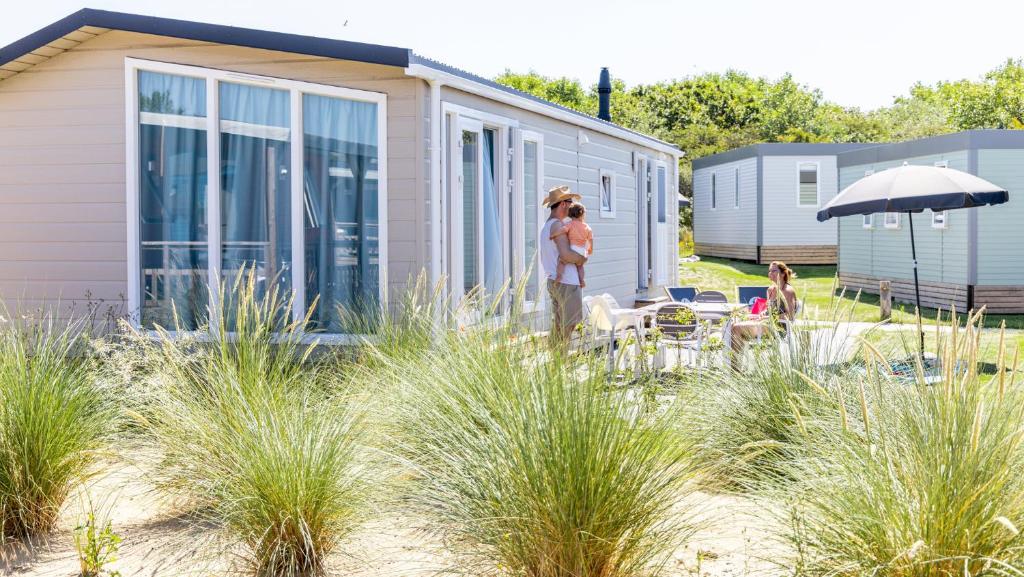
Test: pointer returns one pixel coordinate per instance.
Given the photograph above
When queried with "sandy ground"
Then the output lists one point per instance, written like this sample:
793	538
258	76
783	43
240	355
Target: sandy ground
159	541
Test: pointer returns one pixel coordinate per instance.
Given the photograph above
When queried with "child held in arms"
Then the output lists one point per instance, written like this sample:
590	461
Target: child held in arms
581	239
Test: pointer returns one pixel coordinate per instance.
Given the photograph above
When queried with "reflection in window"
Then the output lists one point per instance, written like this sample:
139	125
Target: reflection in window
662	194
531	195
470	170
255	185
494	277
342	243
172	200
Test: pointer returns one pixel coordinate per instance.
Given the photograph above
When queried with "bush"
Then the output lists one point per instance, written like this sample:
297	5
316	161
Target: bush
55	419
931	484
250	429
533	468
745	420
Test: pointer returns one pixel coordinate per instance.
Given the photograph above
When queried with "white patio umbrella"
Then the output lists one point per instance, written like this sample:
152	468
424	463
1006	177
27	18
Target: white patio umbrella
910	189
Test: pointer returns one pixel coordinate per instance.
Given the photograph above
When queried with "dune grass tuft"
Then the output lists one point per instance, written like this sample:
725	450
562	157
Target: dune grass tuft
533	468
261	439
932	484
55	419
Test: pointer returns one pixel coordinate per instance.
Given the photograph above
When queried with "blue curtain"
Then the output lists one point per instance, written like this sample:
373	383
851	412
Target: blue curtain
172	200
255	165
493	269
342	243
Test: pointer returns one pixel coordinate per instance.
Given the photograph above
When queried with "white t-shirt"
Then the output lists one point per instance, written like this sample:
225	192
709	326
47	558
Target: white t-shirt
549	257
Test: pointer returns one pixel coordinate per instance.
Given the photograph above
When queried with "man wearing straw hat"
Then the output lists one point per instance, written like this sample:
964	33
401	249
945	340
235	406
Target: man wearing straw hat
566	295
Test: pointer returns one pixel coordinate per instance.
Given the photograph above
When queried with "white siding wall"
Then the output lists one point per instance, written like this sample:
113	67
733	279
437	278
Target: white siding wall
784	221
63	231
726	224
885	253
1001	228
613	267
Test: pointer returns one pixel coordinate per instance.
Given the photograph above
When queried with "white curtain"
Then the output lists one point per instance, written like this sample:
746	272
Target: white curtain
341	198
493	269
255	160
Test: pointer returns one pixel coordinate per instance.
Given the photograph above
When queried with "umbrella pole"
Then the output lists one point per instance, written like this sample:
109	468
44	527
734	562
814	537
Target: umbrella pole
917	284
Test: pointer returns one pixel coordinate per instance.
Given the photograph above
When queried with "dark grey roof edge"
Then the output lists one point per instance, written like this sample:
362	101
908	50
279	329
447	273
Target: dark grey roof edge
447	68
952	142
778	149
262	39
248	37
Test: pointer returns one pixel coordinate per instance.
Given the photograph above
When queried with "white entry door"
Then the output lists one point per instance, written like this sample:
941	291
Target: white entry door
643	215
659	215
476	230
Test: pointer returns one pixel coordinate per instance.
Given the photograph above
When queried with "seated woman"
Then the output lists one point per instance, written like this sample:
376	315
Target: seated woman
781	307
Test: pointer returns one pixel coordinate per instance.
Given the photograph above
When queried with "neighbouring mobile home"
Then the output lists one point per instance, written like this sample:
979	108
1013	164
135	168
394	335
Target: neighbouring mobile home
143	160
966	258
759	203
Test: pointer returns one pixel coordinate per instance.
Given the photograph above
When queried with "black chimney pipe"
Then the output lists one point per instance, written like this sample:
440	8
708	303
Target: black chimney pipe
604	95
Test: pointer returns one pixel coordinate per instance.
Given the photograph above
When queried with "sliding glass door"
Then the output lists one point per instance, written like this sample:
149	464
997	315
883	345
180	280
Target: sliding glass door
476	215
173	228
303	210
255	194
340	195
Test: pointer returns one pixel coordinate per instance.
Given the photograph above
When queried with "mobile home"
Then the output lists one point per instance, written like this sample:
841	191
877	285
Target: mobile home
759	202
144	159
966	258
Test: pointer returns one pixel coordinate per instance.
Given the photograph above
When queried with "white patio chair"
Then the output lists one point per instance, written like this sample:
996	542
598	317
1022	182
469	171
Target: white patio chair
603	318
685	330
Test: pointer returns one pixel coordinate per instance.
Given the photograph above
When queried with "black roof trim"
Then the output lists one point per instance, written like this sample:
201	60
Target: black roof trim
778	149
442	67
248	37
965	140
262	39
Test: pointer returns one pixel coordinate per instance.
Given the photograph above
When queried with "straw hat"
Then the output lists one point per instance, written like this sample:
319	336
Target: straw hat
558	194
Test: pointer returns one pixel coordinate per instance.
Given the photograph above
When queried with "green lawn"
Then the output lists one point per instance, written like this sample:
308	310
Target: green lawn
815	286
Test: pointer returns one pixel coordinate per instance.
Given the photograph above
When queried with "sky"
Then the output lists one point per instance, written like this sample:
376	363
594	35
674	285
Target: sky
859	53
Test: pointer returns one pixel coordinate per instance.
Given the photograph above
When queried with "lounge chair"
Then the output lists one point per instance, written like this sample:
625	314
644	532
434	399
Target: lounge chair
681	294
747	294
710	297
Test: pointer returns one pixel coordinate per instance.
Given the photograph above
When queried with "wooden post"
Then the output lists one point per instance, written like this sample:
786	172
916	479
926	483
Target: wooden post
885	299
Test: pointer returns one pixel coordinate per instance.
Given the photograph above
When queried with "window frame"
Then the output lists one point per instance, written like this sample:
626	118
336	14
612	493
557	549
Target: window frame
506	181
714	190
520	261
817	183
736	188
212	78
868	221
892	225
613	195
940	219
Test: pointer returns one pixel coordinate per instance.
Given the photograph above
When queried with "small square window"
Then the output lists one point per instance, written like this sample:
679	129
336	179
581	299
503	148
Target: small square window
869	220
606	191
892	220
939	219
807	189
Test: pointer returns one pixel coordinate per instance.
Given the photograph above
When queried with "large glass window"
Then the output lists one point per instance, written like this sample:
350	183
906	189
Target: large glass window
531	196
662	194
255	206
300	209
494	276
341	188
470	172
173	229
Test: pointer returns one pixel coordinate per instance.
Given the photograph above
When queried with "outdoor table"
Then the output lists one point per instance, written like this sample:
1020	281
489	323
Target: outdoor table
714	311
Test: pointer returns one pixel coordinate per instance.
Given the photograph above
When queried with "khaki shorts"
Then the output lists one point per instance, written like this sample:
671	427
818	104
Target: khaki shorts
566	308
